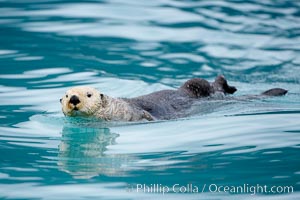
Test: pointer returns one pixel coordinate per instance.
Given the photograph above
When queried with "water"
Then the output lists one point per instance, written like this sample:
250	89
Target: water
128	48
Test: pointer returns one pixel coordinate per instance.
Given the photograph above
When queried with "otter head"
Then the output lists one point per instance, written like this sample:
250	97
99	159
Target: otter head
81	101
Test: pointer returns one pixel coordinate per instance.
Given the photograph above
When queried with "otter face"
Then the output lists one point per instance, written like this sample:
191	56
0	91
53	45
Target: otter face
81	101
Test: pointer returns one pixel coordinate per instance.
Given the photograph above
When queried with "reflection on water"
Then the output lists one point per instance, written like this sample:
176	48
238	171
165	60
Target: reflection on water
129	48
82	153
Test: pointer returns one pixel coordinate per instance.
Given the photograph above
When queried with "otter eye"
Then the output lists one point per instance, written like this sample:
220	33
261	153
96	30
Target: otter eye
60	100
67	96
89	95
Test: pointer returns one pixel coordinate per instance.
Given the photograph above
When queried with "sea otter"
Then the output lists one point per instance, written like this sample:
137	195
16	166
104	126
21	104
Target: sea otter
161	105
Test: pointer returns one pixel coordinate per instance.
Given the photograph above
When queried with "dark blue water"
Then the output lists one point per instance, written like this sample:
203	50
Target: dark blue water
128	48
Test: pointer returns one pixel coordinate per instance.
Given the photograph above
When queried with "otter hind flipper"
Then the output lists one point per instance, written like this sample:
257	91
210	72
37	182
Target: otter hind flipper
197	87
221	85
275	92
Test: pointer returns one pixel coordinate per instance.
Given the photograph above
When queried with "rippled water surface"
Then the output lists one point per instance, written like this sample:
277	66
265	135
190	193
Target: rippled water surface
133	47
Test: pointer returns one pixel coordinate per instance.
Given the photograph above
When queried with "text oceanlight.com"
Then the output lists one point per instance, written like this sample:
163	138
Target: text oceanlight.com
211	188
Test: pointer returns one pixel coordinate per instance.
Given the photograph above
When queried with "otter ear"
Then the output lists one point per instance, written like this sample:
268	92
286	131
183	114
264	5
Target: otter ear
60	100
103	99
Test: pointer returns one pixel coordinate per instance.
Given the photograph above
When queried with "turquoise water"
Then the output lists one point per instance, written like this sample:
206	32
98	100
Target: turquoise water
128	48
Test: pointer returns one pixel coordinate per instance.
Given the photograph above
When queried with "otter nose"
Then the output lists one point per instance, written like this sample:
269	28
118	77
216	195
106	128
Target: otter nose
74	100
